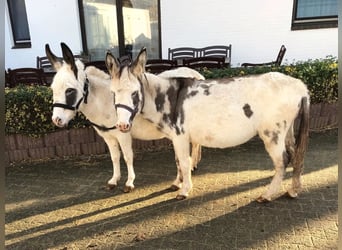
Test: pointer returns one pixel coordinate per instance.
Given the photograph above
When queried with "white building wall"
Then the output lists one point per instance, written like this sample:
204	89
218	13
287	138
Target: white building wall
50	21
256	29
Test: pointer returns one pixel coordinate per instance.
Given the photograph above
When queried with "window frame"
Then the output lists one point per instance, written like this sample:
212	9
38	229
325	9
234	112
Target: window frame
120	24
318	22
18	43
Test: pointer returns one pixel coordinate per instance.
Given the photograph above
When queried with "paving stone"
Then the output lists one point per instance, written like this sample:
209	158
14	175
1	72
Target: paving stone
61	204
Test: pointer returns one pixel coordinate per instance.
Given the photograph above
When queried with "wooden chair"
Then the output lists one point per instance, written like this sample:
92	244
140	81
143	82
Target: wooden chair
204	62
277	62
98	64
27	76
159	65
44	63
182	53
218	51
125	59
7	79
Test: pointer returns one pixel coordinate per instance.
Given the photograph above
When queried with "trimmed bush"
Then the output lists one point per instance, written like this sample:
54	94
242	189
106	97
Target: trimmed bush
29	108
320	75
29	111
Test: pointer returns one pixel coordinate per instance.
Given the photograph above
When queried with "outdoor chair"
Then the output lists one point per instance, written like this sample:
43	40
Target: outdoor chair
44	63
182	53
218	51
204	62
98	64
159	65
27	76
277	62
125	59
7	79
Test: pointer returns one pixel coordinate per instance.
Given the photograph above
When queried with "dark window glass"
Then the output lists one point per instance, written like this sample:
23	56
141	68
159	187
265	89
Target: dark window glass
121	26
313	14
19	23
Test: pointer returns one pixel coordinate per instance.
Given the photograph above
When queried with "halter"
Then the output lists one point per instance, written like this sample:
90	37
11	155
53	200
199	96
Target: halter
83	98
135	110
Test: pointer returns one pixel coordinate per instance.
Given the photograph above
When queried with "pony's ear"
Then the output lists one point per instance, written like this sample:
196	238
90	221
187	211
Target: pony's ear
54	60
69	57
138	66
112	64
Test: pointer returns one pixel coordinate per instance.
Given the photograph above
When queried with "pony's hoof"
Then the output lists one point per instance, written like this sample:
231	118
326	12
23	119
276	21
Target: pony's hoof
128	189
173	188
262	199
180	197
292	194
109	187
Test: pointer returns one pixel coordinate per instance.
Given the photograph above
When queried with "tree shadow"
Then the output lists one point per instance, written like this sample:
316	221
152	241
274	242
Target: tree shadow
261	221
91	175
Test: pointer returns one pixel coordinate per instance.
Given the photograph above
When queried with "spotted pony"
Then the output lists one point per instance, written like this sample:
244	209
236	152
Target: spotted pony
218	113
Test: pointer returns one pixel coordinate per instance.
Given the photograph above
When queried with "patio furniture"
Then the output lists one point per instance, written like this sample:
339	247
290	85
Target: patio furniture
218	51
7	79
277	62
159	65
98	64
125	59
44	63
204	62
182	53
27	76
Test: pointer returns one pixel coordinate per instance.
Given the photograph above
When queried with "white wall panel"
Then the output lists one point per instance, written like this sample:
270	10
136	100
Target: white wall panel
256	29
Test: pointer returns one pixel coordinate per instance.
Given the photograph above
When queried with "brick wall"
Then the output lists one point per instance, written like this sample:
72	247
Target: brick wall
86	141
73	142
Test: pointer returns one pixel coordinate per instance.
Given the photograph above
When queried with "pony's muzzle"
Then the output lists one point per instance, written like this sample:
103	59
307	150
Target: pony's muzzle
123	127
58	122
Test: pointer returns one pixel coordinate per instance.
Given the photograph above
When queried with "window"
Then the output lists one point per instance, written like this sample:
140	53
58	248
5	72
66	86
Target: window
121	26
19	23
314	14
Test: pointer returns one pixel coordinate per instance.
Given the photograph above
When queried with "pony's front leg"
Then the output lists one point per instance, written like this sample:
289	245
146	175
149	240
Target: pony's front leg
115	156
125	141
182	151
179	178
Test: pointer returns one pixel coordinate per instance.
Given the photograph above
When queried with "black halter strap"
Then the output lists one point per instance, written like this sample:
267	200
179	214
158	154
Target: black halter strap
100	127
135	110
84	98
132	111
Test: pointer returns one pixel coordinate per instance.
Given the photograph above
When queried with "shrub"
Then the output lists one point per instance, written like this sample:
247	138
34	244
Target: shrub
29	111
29	108
320	75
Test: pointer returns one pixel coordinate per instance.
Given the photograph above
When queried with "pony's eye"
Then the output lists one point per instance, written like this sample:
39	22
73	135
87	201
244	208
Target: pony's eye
135	98
70	96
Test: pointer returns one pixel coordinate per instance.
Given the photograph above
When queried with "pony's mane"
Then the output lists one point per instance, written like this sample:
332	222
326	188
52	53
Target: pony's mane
97	76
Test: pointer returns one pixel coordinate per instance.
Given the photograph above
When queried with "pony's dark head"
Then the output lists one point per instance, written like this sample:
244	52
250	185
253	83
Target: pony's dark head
127	88
68	85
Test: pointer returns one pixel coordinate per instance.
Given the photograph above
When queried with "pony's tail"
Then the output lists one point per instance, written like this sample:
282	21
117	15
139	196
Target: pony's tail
301	137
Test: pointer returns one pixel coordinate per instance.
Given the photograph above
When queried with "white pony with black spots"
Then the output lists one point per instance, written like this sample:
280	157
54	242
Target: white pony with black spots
218	113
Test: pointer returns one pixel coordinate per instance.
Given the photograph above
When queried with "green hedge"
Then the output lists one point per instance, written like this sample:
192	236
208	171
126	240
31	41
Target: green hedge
320	75
29	111
29	108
